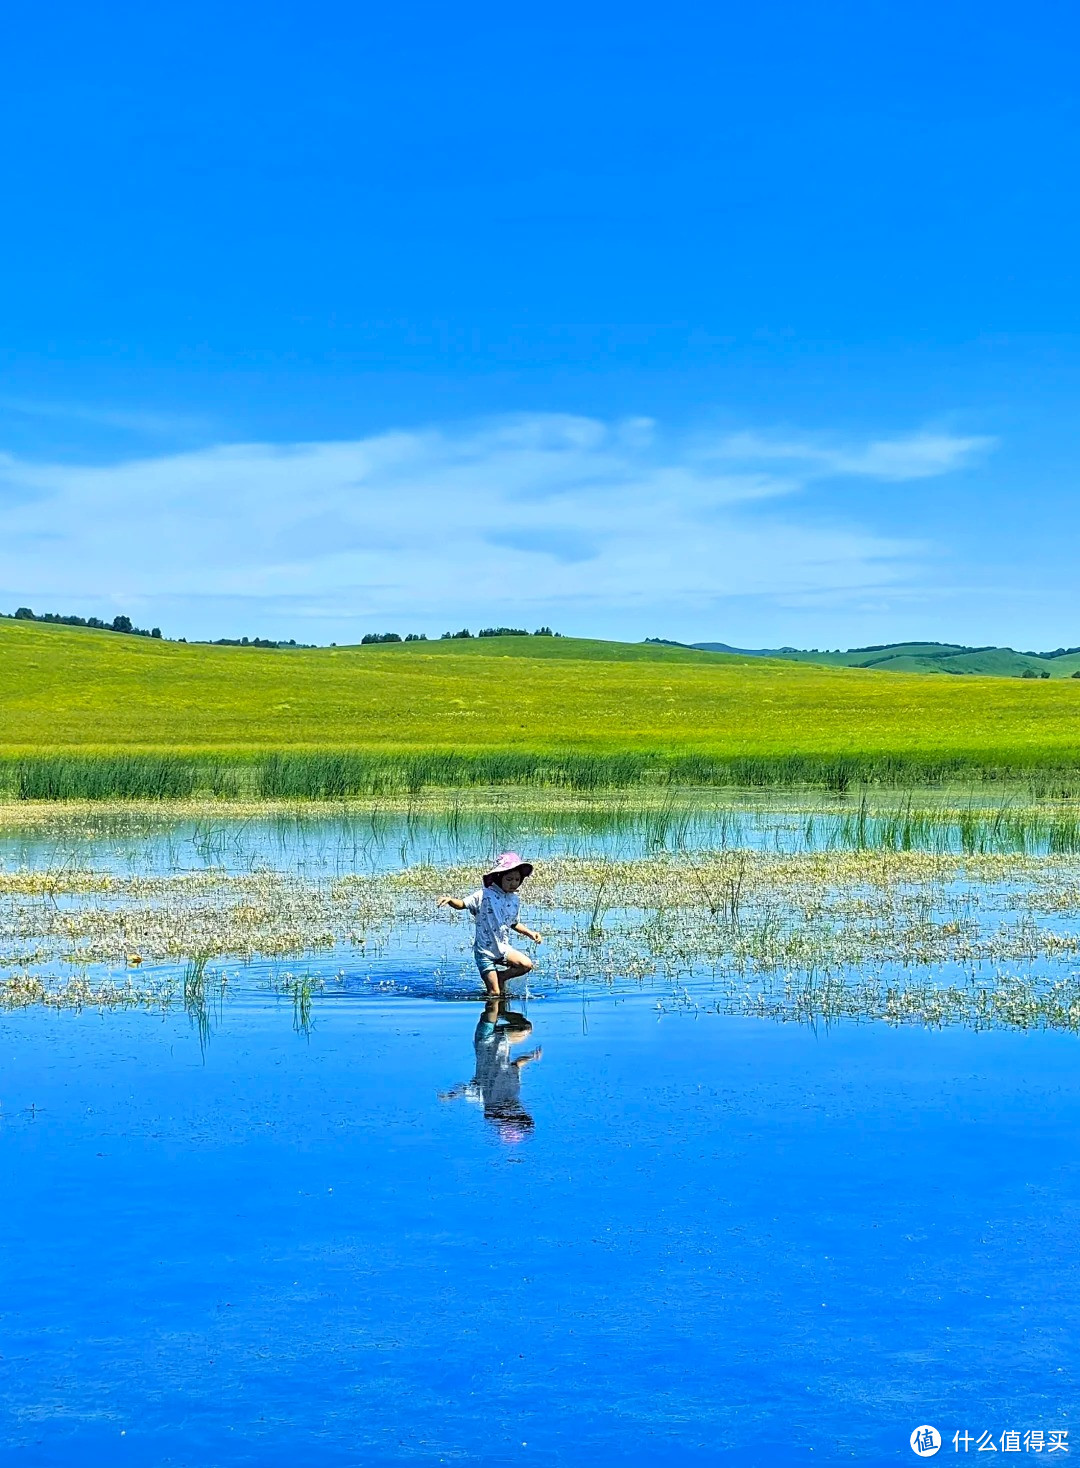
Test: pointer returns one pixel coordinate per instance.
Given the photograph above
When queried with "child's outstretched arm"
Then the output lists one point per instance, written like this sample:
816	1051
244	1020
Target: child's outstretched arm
526	932
455	902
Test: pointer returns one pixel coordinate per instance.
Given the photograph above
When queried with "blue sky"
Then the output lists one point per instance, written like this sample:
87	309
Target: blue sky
757	324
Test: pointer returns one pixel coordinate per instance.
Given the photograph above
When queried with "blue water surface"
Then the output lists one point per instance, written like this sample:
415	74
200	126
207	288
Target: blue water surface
371	839
686	1239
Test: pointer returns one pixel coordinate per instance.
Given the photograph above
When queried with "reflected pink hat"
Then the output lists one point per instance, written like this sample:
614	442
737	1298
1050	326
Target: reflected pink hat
508	862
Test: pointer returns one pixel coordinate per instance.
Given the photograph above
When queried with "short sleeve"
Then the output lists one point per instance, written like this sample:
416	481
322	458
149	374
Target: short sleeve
473	901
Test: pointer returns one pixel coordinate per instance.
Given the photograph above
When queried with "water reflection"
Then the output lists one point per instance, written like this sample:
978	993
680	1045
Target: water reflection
496	1082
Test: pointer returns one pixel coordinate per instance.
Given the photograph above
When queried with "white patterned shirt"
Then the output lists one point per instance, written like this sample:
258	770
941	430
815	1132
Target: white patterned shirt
495	912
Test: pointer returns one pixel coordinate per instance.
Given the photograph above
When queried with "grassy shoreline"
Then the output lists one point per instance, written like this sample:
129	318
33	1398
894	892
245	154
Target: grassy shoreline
356	774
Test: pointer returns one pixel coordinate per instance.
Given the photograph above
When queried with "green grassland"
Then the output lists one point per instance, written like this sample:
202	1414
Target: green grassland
932	657
497	709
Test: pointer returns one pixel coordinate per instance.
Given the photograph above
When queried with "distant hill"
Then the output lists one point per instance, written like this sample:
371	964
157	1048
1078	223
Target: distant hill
924	657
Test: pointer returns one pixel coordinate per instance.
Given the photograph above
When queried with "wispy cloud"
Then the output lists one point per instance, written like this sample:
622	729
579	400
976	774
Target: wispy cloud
912	456
552	514
143	422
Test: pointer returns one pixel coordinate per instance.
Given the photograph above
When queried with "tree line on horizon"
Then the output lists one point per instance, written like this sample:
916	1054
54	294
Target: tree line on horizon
118	624
124	624
372	637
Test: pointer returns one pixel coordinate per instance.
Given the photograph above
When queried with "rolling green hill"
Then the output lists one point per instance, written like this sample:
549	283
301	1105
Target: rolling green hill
517	708
923	657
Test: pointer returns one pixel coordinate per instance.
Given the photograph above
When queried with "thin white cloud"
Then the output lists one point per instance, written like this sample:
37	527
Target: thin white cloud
545	512
147	422
911	456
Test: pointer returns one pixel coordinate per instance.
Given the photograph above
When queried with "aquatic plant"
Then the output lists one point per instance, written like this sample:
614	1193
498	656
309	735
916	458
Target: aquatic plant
340	775
852	898
656	818
20	991
742	909
105	777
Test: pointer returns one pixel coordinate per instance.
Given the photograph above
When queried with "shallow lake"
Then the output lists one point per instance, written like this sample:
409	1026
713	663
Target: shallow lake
361	1233
681	1240
380	838
376	840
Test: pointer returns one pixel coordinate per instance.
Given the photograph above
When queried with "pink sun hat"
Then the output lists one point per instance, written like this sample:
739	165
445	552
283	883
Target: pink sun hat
508	862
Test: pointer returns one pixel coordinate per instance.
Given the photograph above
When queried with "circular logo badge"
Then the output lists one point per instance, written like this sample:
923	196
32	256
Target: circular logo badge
925	1441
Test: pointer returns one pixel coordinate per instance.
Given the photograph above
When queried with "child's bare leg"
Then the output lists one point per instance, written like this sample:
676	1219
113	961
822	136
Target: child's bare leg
491	982
517	964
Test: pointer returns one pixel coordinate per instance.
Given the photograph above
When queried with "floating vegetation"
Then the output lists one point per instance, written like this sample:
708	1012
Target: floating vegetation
867	906
1011	1000
22	990
850	933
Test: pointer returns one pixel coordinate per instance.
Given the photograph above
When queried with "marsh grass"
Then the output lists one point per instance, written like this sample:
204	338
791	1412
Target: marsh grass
196	999
334	776
349	775
1005	827
300	990
722	890
116	777
649	817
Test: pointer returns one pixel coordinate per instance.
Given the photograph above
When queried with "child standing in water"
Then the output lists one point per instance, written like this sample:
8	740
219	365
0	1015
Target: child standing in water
495	909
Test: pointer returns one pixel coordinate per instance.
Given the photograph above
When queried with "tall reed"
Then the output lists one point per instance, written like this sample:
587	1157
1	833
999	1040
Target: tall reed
111	777
343	774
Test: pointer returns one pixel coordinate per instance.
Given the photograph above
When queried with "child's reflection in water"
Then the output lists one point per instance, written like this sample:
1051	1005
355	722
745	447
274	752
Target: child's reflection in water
497	1083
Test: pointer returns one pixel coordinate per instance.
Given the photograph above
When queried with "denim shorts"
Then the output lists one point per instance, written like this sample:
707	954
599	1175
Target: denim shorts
486	961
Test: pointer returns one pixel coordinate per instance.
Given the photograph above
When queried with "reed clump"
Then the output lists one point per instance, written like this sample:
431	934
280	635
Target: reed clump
343	776
337	775
101	777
